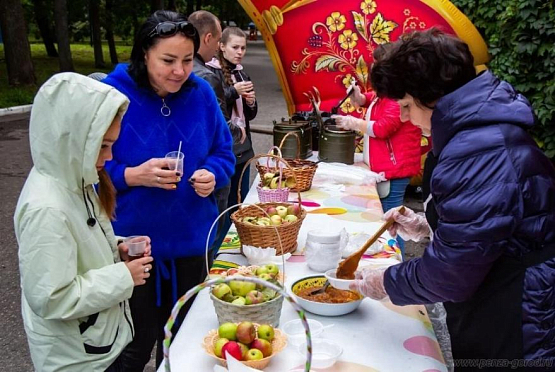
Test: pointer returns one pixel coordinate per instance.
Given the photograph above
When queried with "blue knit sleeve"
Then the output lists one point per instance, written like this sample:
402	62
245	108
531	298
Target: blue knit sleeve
117	174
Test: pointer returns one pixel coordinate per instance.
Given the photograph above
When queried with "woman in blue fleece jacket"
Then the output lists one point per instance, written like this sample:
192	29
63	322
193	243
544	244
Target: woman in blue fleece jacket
168	105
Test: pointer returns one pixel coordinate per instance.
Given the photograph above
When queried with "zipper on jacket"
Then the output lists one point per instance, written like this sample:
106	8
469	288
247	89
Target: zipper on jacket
128	321
391	154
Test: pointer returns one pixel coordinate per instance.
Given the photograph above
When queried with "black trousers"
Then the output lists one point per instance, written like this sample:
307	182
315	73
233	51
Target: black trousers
149	320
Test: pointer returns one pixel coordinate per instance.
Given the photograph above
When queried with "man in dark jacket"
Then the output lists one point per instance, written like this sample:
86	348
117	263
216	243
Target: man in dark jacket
210	32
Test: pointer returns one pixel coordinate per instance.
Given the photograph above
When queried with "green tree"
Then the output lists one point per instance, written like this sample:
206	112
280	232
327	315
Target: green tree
521	39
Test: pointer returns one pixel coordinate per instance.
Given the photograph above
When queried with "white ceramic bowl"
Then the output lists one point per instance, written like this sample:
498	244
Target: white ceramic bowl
296	333
320	308
336	282
324	352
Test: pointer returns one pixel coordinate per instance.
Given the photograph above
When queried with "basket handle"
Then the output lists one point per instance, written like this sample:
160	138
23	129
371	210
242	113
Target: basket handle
292	133
193	291
270	156
271	152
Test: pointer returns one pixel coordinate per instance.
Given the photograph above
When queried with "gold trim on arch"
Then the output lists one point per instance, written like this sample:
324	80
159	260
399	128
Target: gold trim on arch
462	26
453	16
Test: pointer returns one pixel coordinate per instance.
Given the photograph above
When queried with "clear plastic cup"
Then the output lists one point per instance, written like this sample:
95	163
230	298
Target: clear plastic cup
296	334
136	246
175	161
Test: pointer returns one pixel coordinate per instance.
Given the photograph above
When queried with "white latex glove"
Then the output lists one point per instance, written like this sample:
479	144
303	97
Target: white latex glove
409	226
369	282
349	122
357	98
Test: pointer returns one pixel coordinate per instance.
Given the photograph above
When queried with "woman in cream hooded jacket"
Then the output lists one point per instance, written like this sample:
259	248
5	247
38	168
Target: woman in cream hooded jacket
74	285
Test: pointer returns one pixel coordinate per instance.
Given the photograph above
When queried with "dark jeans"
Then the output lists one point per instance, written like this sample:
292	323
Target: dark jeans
149	320
117	366
395	199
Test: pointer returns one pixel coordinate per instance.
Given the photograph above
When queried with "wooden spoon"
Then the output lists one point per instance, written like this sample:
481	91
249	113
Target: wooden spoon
347	267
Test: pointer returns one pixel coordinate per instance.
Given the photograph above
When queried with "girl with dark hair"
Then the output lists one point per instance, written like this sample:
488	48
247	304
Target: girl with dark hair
75	276
492	256
240	101
170	108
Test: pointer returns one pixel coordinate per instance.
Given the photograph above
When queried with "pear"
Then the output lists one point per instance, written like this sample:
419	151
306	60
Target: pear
267	178
275	183
290	182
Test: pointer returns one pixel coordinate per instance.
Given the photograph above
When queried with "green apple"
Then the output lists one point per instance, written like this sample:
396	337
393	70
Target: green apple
290	218
228	297
239	300
254	354
268	294
272	269
249	220
240	288
246	333
218	346
266	332
221	290
281	211
275	220
261	270
263	345
228	330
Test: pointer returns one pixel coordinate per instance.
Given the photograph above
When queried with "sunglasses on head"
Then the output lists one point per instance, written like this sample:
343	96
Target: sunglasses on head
169	28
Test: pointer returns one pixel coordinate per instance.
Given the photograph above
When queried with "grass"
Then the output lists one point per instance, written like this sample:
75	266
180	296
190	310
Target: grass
45	67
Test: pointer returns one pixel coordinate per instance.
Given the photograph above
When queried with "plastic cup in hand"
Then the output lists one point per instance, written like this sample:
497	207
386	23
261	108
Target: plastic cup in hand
175	161
136	246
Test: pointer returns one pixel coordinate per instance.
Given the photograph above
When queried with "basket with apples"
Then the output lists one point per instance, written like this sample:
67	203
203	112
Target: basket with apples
274	186
269	225
240	300
276	347
252	343
301	169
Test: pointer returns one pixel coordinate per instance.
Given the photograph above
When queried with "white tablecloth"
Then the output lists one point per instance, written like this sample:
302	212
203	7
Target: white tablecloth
378	336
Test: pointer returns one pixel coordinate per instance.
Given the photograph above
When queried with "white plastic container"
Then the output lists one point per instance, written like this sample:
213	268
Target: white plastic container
323	250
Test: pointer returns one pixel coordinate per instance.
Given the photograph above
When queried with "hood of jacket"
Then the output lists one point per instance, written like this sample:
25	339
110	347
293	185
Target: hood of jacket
215	63
485	100
70	115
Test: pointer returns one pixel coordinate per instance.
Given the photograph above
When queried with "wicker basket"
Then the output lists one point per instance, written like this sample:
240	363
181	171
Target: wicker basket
193	291
281	194
281	237
273	195
302	170
278	344
267	312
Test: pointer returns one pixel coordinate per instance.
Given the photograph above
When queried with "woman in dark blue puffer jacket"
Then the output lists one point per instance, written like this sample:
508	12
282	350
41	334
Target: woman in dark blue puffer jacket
491	259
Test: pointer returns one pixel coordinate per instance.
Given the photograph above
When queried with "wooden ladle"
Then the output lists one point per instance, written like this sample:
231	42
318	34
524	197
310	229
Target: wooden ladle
347	267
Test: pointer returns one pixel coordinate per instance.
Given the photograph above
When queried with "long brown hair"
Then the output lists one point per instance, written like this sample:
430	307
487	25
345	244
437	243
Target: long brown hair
107	194
229	31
